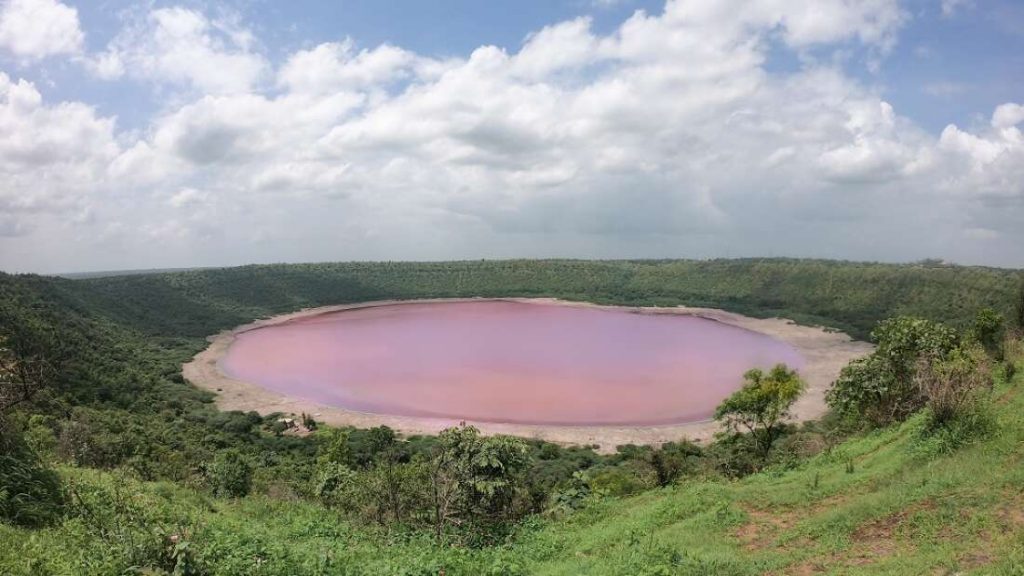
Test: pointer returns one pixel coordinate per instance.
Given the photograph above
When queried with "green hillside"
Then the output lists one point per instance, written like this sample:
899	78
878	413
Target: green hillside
884	503
847	295
117	466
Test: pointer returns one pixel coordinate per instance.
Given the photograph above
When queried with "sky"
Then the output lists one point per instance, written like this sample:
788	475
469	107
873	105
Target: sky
179	134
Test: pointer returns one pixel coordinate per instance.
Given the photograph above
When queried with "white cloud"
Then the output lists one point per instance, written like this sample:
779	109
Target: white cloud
52	158
34	29
667	136
180	46
1008	115
989	164
337	66
951	7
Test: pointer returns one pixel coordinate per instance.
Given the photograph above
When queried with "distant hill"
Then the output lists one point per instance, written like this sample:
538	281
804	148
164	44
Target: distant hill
851	296
106	273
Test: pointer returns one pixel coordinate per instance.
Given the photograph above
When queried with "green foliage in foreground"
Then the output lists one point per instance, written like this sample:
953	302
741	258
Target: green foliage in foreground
881	388
30	493
884	503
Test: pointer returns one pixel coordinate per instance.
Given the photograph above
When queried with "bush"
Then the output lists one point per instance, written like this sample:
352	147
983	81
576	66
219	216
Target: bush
761	406
674	460
40	437
30	493
135	539
335	485
880	388
953	386
968	426
793	449
230	474
989	330
735	455
626	479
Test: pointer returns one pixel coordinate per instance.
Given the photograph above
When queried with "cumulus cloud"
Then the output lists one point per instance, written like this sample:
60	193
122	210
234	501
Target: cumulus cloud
665	137
34	29
184	47
52	158
338	66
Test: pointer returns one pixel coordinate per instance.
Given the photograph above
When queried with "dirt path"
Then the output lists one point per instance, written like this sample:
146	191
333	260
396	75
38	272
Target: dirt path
825	353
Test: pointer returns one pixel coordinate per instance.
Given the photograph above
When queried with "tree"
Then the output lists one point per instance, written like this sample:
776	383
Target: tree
30	493
333	447
474	479
230	474
989	330
336	485
674	459
23	373
762	404
880	387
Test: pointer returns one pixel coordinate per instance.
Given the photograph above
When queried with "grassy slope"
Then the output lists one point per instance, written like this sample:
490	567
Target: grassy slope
901	511
897	513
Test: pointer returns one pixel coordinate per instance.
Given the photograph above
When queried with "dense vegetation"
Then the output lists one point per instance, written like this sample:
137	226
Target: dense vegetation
849	296
150	476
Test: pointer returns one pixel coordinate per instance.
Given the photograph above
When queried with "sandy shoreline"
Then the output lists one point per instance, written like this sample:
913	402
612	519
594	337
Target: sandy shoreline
825	353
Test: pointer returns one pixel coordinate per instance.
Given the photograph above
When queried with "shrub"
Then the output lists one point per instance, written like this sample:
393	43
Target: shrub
474	480
134	537
762	404
333	446
968	426
625	479
30	493
230	474
335	485
953	386
674	460
794	448
734	455
40	437
880	388
73	442
573	495
989	330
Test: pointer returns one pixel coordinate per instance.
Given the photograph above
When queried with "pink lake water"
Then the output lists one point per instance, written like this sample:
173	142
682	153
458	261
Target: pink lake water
508	362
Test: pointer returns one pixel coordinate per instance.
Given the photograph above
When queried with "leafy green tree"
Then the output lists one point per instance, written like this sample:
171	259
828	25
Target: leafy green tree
762	405
880	387
674	459
333	447
336	485
230	474
989	330
474	479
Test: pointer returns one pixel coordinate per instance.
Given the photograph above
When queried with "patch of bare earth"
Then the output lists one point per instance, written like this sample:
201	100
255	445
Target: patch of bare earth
764	528
871	542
